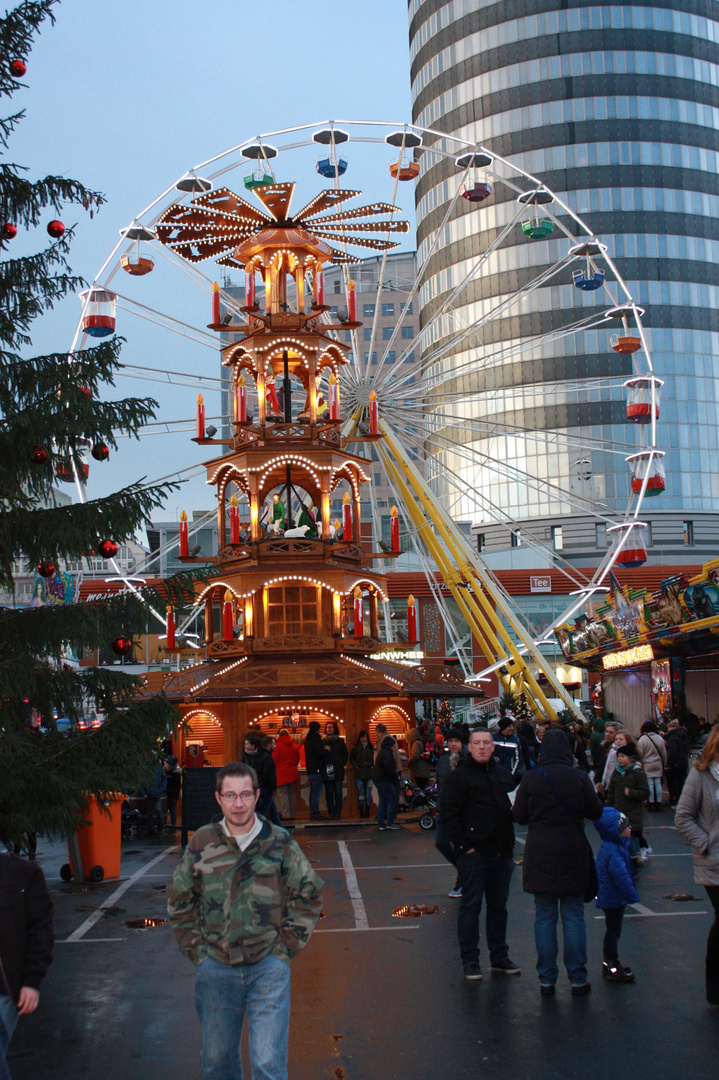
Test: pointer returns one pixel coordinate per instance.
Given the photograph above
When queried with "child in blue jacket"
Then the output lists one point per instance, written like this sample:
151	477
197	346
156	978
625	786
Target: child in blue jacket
616	887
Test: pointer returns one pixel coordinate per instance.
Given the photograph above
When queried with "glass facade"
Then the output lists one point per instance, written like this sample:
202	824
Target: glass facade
616	109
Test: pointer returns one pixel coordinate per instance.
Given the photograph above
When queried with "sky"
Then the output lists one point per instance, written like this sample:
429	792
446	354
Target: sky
127	95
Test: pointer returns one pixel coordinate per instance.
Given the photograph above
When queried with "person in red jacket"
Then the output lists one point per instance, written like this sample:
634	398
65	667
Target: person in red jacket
286	757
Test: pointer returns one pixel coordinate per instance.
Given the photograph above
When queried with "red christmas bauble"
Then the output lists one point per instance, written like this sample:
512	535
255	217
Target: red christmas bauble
121	646
9	230
100	451
39	455
46	568
56	229
18	67
108	549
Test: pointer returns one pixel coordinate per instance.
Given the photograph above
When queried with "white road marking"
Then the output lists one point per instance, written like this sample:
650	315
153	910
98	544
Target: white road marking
641	909
94	940
78	934
658	914
361	922
520	840
384	866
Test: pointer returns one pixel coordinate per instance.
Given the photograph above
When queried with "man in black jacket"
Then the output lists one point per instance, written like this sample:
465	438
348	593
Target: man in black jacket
315	763
477	814
26	940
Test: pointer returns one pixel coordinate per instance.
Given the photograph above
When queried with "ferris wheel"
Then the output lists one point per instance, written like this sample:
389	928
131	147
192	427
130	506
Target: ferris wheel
449	445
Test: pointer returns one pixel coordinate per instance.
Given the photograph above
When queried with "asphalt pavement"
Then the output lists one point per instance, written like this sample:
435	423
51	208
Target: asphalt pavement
373	995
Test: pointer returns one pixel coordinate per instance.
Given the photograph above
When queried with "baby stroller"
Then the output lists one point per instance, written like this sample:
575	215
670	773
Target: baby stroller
417	799
130	819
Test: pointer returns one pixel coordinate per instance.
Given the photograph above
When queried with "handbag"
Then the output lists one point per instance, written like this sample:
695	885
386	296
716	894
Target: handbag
593	883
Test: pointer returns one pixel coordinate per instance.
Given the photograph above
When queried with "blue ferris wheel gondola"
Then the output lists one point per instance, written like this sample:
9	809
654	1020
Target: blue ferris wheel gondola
331	169
588	284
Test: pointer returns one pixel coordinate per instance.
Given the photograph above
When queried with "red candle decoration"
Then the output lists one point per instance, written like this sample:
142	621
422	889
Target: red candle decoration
184	536
394	529
100	451
352	302
234	520
373	414
227	616
39	455
334	397
170	628
122	646
249	289
108	549
411	619
346	517
319	287
9	231
241	399
46	568
358	613
56	229
200	417
18	68
215	303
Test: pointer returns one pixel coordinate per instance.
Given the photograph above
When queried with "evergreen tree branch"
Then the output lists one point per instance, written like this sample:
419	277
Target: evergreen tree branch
73	531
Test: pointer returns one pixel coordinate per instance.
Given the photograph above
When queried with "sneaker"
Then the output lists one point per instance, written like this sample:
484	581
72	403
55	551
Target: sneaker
382	828
645	853
394	825
583	988
615	972
456	891
506	966
472	972
546	989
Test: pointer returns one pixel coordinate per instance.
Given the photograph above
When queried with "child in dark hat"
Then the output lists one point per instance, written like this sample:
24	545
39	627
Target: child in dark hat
628	790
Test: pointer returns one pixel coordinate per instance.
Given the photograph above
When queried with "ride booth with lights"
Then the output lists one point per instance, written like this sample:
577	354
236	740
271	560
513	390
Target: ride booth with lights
652	647
294	600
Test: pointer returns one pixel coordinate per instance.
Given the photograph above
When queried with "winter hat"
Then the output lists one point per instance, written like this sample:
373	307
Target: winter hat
506	722
629	750
455	733
622	823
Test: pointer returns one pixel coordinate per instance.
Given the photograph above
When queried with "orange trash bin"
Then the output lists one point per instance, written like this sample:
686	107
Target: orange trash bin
99	841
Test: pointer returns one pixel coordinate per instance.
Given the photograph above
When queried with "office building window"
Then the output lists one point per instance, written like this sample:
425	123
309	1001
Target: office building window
348	335
407	332
516	537
387	332
688	530
409	358
408	308
557	538
368	333
600	533
368	310
388	309
337	286
391	357
374	357
481	542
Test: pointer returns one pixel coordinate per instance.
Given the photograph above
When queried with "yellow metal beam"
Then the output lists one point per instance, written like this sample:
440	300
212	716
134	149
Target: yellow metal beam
459	565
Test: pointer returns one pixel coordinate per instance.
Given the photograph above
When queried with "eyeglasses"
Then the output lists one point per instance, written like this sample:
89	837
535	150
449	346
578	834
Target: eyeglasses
244	796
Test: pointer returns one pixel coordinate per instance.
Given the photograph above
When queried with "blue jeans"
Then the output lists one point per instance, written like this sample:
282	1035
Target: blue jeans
8	1020
333	795
656	795
223	994
364	792
317	782
483	876
546	909
386	802
266	806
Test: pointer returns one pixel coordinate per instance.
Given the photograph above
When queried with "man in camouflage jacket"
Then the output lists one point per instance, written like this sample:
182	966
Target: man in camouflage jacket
242	902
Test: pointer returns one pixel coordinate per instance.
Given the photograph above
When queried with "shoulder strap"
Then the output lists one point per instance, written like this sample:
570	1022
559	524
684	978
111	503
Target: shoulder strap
548	780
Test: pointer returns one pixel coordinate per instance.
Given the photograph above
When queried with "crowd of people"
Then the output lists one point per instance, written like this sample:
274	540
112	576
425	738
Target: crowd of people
244	899
552	780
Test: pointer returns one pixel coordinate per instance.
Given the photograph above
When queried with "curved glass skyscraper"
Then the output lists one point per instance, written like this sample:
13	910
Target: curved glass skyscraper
616	108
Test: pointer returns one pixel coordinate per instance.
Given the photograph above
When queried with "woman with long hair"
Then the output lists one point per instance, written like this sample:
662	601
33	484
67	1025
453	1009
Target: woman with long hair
697	818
